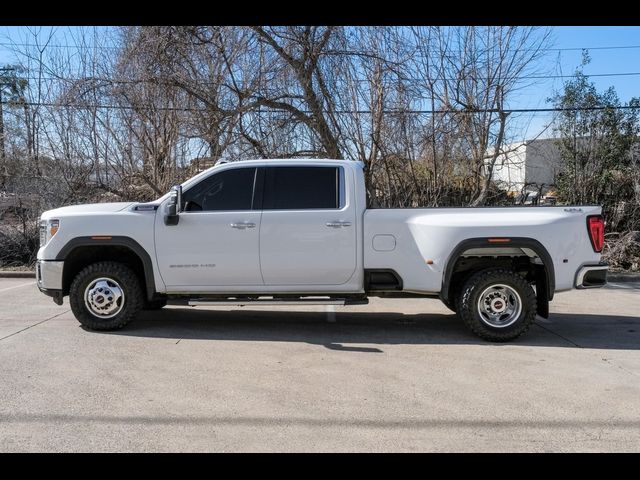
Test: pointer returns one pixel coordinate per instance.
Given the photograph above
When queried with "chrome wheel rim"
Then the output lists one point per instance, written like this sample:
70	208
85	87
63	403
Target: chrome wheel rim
104	297
499	306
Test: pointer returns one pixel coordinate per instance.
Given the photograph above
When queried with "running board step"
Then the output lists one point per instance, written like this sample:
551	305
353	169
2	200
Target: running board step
274	301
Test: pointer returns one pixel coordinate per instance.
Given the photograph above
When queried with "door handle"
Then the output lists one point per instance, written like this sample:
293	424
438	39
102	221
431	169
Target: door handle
338	224
243	225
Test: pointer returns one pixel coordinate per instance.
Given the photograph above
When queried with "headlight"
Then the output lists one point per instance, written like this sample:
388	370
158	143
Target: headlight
48	228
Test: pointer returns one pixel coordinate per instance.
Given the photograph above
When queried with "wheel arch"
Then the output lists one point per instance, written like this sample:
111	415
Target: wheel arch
545	276
80	251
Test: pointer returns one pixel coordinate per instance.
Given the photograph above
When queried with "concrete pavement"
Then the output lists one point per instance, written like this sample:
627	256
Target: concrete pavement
396	375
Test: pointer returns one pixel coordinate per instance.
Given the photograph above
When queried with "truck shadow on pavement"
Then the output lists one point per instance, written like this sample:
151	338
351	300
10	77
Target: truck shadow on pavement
368	332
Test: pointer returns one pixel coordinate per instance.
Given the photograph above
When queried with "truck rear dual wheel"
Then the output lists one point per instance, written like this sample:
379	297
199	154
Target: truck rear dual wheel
497	304
106	296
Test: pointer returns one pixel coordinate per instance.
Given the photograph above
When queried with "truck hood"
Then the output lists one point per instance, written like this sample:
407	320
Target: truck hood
98	208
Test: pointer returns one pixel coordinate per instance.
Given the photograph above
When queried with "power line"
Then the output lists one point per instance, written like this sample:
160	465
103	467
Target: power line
620	74
49	45
342	112
115	47
414	80
618	47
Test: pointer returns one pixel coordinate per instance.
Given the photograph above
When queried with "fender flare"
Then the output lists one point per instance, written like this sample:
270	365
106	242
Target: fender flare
517	242
119	241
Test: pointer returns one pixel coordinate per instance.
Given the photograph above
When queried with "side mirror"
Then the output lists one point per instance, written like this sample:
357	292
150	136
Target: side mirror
173	208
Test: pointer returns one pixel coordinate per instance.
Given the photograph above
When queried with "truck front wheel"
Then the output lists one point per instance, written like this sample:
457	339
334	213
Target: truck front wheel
105	296
497	304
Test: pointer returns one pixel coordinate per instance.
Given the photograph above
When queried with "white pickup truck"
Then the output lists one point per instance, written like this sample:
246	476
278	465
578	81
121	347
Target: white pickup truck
281	232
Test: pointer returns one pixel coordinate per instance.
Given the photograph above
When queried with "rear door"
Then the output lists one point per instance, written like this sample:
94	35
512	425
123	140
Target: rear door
308	227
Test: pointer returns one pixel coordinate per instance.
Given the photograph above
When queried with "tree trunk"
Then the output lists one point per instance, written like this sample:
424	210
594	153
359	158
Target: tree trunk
484	190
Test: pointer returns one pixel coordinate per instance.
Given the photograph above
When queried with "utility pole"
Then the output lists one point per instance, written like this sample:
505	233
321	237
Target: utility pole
3	83
1	127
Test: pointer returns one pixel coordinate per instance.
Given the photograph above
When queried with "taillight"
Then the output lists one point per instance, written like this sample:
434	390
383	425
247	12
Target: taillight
595	226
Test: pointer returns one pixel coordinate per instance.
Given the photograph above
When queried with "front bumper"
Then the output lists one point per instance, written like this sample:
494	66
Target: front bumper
592	276
49	278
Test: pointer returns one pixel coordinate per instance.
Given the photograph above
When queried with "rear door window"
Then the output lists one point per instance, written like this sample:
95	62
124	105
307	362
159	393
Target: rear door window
301	188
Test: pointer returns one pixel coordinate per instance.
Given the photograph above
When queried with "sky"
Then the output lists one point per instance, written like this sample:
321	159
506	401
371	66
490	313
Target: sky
563	58
565	62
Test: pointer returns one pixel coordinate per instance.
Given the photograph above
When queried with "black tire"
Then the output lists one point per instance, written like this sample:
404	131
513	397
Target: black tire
155	304
468	309
452	302
128	282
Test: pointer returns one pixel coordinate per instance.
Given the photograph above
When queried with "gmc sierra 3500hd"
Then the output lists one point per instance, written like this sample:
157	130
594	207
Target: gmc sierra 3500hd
281	232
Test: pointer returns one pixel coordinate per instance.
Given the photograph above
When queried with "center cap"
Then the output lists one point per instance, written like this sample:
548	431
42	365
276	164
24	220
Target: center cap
498	305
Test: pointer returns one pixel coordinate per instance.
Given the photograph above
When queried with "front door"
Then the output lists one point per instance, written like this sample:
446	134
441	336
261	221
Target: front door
216	241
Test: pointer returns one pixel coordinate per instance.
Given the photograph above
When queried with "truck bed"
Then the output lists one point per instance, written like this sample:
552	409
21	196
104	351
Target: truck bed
400	239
